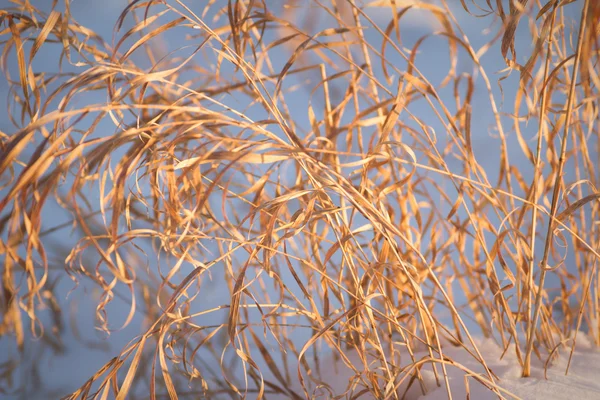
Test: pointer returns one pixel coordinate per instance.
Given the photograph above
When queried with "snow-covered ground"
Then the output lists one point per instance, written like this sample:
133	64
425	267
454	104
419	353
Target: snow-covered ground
582	381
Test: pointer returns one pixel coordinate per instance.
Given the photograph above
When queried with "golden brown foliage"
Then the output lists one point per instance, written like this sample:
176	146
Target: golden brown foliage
298	156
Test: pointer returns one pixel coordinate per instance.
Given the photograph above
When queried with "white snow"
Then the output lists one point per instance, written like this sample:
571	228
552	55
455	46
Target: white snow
582	381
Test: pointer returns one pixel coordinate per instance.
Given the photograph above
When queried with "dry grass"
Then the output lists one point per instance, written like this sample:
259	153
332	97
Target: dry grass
309	163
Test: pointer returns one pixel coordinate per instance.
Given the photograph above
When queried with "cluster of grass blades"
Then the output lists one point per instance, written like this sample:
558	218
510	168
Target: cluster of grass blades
254	184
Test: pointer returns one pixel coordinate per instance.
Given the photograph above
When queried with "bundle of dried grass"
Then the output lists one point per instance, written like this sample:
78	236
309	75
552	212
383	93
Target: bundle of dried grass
320	169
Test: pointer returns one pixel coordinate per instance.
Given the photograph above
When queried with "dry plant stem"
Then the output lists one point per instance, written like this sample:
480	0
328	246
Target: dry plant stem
537	175
555	195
